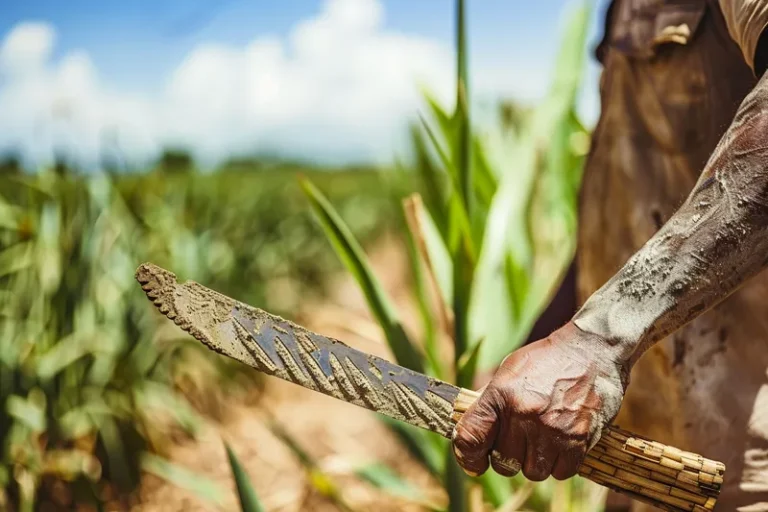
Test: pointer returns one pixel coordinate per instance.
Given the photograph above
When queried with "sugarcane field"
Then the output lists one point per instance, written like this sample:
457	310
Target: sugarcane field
379	255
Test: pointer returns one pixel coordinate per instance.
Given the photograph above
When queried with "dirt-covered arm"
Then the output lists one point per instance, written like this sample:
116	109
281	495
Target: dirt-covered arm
549	401
715	242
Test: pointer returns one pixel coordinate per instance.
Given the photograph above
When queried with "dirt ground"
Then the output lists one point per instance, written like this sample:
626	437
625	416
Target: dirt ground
337	434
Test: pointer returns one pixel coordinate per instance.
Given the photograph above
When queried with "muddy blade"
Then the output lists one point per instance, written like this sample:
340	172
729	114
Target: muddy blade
281	348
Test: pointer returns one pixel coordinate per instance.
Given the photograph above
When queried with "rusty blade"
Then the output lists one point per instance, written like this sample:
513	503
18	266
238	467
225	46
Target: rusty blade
281	348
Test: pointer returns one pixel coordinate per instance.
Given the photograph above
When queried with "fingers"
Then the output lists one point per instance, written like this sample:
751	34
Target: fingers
509	450
540	456
474	436
568	462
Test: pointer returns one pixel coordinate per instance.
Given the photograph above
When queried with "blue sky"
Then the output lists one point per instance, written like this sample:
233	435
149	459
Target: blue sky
144	67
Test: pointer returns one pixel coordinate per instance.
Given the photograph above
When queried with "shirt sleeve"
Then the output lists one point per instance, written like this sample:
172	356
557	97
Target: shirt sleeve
746	20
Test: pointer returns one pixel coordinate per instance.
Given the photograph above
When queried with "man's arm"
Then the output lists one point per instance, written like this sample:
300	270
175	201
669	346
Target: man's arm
713	243
549	401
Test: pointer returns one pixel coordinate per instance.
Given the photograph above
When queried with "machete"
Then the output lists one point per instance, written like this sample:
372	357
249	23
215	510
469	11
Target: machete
648	471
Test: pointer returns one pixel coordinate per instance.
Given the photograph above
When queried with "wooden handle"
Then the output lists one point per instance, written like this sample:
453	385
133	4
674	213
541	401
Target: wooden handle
647	471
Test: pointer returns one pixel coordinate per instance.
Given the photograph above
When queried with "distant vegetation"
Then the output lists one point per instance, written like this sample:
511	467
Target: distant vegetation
89	397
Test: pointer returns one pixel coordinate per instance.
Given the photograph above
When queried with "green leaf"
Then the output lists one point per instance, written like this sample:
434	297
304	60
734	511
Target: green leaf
25	410
15	258
183	478
116	453
463	276
9	215
304	458
158	396
486	181
439	257
570	61
443	118
427	447
433	180
459	214
467	365
61	355
497	489
249	501
455	483
384	478
463	157
319	480
351	254
518	498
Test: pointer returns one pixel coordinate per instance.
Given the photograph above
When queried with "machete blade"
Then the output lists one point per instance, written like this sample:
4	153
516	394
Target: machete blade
281	348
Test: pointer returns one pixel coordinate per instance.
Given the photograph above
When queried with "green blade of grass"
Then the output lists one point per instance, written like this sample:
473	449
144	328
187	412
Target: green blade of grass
467	366
455	483
443	118
384	478
497	489
320	480
351	254
486	182
461	219
433	181
249	500
425	446
29	413
183	478
15	258
464	141
9	215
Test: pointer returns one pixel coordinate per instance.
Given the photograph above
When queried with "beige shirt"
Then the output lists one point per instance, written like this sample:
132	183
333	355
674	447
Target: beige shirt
746	20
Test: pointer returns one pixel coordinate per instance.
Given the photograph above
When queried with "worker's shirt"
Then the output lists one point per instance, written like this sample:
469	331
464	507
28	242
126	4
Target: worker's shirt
675	73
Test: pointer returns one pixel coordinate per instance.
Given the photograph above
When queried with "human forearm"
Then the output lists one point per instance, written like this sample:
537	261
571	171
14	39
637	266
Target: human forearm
717	240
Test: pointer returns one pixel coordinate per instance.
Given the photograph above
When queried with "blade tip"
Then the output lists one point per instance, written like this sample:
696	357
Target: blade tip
149	274
156	282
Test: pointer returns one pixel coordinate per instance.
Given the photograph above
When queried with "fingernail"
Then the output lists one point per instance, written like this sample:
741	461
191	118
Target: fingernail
510	465
471	473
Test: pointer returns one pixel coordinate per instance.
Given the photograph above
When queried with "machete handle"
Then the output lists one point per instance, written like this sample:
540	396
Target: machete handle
660	475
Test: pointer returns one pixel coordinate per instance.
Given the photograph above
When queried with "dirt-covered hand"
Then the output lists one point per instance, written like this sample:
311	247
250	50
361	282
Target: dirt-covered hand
544	408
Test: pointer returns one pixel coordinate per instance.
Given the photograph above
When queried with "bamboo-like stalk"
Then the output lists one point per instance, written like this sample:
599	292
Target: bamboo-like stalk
663	476
414	208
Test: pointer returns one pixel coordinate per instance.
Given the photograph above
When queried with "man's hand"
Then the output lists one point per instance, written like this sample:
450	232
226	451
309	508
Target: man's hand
544	408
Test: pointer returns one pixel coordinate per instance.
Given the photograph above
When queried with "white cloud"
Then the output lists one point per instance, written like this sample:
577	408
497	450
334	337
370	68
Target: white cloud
338	86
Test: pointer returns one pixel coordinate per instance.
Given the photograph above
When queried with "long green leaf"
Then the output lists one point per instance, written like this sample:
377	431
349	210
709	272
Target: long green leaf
9	215
455	482
183	478
31	414
464	141
467	365
425	446
249	500
321	481
351	254
15	258
433	180
460	214
439	257
384	478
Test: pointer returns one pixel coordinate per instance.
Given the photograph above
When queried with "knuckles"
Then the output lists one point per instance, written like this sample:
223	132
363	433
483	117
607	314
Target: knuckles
535	474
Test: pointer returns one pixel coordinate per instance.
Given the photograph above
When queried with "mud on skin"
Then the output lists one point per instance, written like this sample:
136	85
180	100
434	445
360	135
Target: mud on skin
715	242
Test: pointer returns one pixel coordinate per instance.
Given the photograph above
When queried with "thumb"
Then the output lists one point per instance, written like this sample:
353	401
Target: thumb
474	436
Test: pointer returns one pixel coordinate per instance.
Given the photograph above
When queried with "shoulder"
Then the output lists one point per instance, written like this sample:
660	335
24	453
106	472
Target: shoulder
746	21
